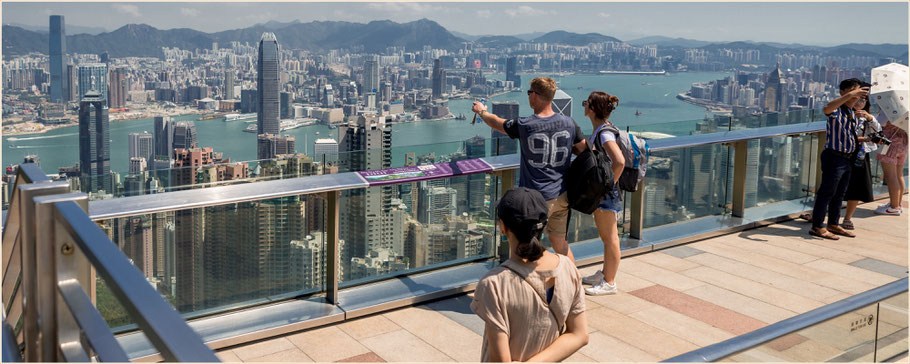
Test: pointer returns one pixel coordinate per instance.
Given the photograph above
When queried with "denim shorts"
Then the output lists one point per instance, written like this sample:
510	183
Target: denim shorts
613	203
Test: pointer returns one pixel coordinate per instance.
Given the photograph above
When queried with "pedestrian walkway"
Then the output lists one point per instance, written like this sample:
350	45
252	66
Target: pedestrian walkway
670	301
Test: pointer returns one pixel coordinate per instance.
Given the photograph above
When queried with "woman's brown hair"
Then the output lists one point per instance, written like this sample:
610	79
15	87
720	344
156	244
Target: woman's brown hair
602	104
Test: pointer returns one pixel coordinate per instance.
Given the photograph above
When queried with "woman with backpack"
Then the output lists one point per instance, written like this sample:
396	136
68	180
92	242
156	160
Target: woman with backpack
532	304
598	108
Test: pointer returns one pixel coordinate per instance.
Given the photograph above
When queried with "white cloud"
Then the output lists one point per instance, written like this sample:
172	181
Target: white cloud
189	12
525	10
603	15
408	7
484	14
127	9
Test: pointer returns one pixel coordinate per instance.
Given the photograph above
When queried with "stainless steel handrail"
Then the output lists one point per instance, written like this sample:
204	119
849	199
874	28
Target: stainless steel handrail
164	327
90	321
170	201
758	337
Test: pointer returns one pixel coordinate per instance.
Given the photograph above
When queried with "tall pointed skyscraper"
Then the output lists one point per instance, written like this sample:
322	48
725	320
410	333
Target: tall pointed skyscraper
776	92
269	85
57	52
94	141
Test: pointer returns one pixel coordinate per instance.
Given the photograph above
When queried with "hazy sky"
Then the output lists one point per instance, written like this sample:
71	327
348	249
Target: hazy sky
807	23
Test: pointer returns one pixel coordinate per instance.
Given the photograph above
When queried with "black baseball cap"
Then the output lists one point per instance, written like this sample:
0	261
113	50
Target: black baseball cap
524	208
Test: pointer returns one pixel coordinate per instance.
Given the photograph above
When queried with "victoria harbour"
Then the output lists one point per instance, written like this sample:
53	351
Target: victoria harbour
653	96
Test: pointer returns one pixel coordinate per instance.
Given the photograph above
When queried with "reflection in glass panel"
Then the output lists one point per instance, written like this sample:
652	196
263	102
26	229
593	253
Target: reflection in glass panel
686	183
777	169
892	329
223	256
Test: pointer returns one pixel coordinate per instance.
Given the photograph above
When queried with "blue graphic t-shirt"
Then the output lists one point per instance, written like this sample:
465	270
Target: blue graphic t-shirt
546	151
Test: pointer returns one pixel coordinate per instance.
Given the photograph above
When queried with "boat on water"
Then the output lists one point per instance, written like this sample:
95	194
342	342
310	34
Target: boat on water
285	125
240	117
637	113
460	117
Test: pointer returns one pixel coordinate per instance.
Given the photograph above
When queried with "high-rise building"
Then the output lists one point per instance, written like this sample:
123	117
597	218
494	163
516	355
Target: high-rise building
439	79
142	145
325	149
371	74
268	77
228	85
436	203
776	92
164	138
184	135
94	143
512	71
270	146
562	103
137	165
474	148
72	92
286	109
502	144
249	101
328	96
117	89
57	52
93	76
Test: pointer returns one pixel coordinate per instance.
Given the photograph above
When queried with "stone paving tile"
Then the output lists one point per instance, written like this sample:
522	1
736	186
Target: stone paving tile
810	351
638	333
764	276
401	345
683	251
370	357
762	261
328	343
605	348
814	249
621	302
368	326
748	306
286	356
843	284
879	266
447	336
459	310
787	255
867	276
578	357
704	311
682	326
667	262
785	342
228	356
768	294
659	275
264	348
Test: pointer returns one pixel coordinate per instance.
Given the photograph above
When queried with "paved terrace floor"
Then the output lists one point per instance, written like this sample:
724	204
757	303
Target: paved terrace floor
670	302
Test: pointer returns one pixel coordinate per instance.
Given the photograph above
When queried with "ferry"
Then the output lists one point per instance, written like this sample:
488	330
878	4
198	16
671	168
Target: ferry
285	125
461	117
240	117
637	113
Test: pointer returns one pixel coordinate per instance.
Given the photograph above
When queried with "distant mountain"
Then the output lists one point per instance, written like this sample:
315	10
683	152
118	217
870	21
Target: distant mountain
574	39
499	41
143	40
466	36
662	41
70	29
890	50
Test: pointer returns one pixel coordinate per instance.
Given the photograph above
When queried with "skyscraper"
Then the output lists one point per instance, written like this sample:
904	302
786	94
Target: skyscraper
228	85
71	93
502	144
142	145
269	146
269	111
439	79
94	143
57	52
371	74
776	92
474	148
184	135
164	137
93	76
117	90
512	71
562	103
326	149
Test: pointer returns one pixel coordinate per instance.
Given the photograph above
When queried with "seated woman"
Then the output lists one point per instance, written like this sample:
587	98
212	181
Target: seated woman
533	303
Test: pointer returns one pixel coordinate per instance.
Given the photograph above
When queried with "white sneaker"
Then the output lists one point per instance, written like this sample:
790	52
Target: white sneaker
887	210
601	288
594	278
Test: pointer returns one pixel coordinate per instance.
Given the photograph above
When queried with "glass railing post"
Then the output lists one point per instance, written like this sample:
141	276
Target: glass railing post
29	228
822	139
739	177
53	245
333	255
637	215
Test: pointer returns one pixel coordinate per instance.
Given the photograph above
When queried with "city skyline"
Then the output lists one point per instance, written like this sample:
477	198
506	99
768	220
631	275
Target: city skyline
806	23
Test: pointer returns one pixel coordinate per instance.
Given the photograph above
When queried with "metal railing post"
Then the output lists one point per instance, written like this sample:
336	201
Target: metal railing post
333	256
28	230
51	246
822	139
739	177
507	181
637	215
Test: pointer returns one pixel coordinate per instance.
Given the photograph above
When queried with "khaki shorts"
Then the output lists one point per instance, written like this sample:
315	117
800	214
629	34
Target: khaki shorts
559	214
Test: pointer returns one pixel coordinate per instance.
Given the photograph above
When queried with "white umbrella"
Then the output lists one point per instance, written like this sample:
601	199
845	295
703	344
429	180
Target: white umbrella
890	92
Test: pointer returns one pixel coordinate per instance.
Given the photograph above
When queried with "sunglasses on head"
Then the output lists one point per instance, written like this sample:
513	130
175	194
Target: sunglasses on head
584	103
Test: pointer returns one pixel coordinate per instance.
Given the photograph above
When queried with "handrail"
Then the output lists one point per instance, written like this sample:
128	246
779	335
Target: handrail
196	198
758	337
155	316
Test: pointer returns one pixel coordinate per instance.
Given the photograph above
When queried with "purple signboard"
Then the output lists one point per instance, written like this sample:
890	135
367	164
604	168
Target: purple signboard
381	177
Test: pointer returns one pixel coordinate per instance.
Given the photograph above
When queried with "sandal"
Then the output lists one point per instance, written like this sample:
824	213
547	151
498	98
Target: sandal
807	217
827	235
840	231
847	224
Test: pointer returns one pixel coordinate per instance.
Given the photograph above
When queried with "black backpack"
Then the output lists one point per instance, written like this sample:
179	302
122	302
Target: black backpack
589	179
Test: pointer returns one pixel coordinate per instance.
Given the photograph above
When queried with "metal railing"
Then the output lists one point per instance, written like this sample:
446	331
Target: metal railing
756	338
59	248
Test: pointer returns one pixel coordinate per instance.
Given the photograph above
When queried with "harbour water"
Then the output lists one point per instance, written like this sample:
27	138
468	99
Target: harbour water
653	96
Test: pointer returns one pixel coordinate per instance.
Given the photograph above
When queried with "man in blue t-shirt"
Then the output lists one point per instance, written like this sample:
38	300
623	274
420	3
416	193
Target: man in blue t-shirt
547	141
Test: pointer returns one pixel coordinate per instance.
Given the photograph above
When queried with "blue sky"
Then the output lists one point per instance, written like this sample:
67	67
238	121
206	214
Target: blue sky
813	23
